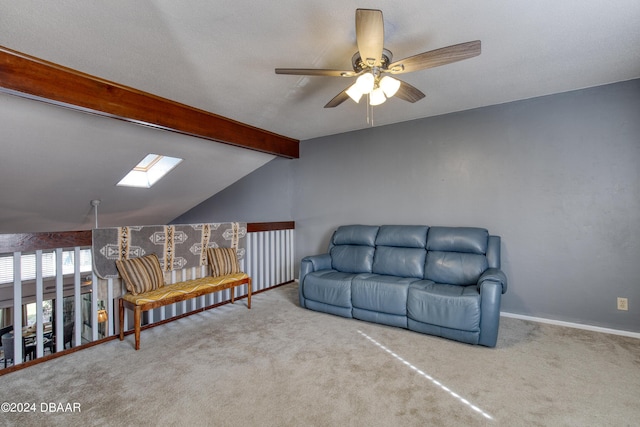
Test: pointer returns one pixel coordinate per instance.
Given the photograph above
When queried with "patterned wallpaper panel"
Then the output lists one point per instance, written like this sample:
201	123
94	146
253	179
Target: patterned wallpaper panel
177	246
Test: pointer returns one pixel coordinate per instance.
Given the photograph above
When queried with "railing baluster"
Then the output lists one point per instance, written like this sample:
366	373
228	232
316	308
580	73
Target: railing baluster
77	298
17	308
110	309
262	265
39	305
94	307
59	311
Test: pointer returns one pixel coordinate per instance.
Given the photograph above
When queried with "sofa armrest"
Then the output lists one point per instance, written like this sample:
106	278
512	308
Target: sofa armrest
308	265
493	275
314	263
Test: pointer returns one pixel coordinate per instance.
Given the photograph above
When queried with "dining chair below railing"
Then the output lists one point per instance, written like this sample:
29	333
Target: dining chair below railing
29	348
68	335
49	342
7	347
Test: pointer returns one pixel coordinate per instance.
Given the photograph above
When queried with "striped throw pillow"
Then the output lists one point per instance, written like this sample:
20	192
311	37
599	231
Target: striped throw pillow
141	274
223	261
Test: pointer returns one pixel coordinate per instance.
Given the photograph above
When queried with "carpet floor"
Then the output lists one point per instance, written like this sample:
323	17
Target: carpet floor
280	365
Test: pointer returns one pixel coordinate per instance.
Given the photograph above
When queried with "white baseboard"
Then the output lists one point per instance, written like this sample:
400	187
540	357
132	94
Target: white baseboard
572	325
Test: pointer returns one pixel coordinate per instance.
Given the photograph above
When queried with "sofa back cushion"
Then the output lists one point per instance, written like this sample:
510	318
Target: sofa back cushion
458	239
400	250
352	258
401	262
456	255
361	235
403	236
352	248
454	268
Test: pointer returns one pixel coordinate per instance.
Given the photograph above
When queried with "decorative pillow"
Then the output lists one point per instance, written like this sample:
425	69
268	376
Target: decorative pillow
223	261
141	274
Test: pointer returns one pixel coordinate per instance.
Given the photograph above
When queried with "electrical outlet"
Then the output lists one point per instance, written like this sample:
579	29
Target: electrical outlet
623	304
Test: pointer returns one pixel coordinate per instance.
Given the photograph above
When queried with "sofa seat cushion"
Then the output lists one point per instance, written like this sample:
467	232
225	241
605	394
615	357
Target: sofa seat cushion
328	287
449	306
384	294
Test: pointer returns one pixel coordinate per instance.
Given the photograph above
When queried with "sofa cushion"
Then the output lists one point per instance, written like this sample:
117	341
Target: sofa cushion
385	294
405	236
401	262
364	235
454	268
352	258
328	287
458	239
449	306
141	274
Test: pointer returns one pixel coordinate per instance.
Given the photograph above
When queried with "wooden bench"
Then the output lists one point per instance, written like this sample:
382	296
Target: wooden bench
180	291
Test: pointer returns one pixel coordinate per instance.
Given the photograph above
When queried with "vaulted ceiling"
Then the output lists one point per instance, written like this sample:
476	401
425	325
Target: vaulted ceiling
219	56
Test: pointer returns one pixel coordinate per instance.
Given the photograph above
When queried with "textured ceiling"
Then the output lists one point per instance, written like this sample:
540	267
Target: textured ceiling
220	56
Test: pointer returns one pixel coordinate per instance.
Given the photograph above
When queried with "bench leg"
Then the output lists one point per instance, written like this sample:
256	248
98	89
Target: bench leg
136	325
121	311
249	294
233	292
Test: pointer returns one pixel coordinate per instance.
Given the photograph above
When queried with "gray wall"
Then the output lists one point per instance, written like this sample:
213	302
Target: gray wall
557	177
264	196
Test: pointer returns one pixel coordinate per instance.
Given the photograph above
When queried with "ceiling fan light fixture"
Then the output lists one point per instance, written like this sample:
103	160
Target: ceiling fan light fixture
376	97
354	93
372	63
389	85
365	83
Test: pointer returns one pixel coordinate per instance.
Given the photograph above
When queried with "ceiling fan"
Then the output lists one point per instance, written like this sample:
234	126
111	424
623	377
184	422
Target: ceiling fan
373	67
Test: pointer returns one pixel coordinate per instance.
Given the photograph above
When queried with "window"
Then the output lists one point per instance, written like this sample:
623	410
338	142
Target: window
149	171
28	265
47	312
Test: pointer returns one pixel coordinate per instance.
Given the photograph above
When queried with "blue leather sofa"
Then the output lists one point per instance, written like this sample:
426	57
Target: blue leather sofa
443	281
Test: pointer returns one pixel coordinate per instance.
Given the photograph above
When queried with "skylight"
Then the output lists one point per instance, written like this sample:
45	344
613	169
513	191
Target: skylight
149	171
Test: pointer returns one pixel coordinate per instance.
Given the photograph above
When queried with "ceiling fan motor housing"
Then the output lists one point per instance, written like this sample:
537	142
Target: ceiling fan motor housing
359	65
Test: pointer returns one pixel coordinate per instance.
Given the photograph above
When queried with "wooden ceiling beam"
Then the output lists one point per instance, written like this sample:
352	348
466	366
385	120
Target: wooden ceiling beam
34	78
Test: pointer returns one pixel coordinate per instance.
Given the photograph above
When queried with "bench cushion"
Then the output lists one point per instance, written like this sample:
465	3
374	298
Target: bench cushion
142	274
181	288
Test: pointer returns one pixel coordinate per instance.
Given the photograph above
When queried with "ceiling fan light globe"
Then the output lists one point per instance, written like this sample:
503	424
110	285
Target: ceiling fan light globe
354	93
376	97
365	83
389	85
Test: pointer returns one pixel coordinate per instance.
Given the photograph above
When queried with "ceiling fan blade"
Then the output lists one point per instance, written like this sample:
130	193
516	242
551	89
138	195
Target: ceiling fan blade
370	35
315	72
338	99
435	58
409	93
